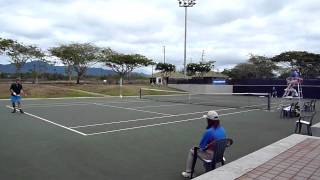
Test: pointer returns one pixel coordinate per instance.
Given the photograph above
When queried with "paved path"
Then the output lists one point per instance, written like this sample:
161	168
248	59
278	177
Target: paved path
295	157
302	161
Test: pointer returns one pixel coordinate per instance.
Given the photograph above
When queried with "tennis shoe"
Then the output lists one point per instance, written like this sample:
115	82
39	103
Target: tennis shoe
186	174
14	110
21	111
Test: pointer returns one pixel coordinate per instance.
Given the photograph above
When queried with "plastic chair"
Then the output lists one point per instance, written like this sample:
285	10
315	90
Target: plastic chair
307	106
313	104
218	148
305	119
289	111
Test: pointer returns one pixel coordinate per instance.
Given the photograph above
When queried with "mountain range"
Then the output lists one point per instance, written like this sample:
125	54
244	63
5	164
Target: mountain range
50	68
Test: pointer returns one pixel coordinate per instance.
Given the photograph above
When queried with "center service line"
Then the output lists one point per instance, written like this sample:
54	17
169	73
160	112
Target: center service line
160	124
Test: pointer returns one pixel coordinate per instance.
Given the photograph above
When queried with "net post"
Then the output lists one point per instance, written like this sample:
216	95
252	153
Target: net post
269	101
140	91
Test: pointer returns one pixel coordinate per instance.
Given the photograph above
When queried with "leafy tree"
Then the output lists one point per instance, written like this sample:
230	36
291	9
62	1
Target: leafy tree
165	68
61	52
122	64
19	54
205	67
264	66
78	56
5	44
308	63
39	58
257	67
241	71
199	68
192	69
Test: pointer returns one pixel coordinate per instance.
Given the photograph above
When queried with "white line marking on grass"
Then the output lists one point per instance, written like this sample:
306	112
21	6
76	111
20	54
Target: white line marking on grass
130	109
145	119
166	123
46	120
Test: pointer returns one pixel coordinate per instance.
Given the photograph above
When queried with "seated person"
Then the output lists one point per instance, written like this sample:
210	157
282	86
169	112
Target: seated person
294	78
213	132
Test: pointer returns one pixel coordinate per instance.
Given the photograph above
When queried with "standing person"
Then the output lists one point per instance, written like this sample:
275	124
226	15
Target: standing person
274	92
213	132
16	90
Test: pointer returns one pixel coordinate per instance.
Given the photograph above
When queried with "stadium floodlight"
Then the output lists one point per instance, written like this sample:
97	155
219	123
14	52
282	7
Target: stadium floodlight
185	4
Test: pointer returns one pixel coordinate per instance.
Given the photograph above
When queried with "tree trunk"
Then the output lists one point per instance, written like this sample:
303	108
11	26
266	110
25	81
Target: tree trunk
120	86
78	79
69	73
37	79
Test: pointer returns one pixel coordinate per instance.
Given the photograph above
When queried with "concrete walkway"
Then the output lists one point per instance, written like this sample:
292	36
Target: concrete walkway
294	157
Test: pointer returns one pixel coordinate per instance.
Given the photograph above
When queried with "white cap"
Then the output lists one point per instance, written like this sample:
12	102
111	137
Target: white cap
213	115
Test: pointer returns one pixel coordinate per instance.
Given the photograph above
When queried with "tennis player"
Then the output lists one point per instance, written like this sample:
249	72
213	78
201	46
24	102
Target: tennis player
213	132
16	91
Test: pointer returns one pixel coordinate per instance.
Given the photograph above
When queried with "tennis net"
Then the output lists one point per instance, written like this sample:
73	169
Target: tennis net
237	100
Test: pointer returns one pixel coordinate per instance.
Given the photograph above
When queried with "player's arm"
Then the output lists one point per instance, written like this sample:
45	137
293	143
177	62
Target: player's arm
11	90
204	141
22	91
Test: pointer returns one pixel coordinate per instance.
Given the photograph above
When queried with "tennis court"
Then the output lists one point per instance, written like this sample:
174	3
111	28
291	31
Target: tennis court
128	138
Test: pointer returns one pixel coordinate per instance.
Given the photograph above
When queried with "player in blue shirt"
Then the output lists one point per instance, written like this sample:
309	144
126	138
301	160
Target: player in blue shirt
213	132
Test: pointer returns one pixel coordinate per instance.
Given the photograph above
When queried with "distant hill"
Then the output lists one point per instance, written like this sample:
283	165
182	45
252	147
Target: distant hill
49	68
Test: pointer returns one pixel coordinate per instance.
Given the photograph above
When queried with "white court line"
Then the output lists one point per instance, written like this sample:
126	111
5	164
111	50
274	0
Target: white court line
166	123
46	120
140	107
144	119
58	105
46	104
74	103
130	109
56	98
124	101
72	98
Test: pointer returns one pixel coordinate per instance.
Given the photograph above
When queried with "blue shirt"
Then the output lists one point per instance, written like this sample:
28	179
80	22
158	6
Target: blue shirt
210	135
294	74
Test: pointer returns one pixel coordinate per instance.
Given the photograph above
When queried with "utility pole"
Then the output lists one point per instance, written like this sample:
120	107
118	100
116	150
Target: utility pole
202	56
164	54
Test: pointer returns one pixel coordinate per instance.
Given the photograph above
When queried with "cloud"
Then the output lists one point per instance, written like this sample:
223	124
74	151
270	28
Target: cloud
226	30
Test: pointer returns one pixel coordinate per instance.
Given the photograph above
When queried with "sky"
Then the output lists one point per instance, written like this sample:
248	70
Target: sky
227	31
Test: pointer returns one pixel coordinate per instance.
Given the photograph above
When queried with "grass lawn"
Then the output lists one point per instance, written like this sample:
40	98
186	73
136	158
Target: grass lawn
42	91
74	90
114	90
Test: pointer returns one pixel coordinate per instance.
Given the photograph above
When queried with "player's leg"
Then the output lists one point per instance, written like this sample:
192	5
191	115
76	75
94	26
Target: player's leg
19	104
13	101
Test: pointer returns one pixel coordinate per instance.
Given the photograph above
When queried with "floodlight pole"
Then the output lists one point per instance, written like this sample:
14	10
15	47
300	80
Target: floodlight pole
164	54
185	4
185	43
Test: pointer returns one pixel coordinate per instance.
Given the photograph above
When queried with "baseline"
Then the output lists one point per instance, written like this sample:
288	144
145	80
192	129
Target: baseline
48	121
